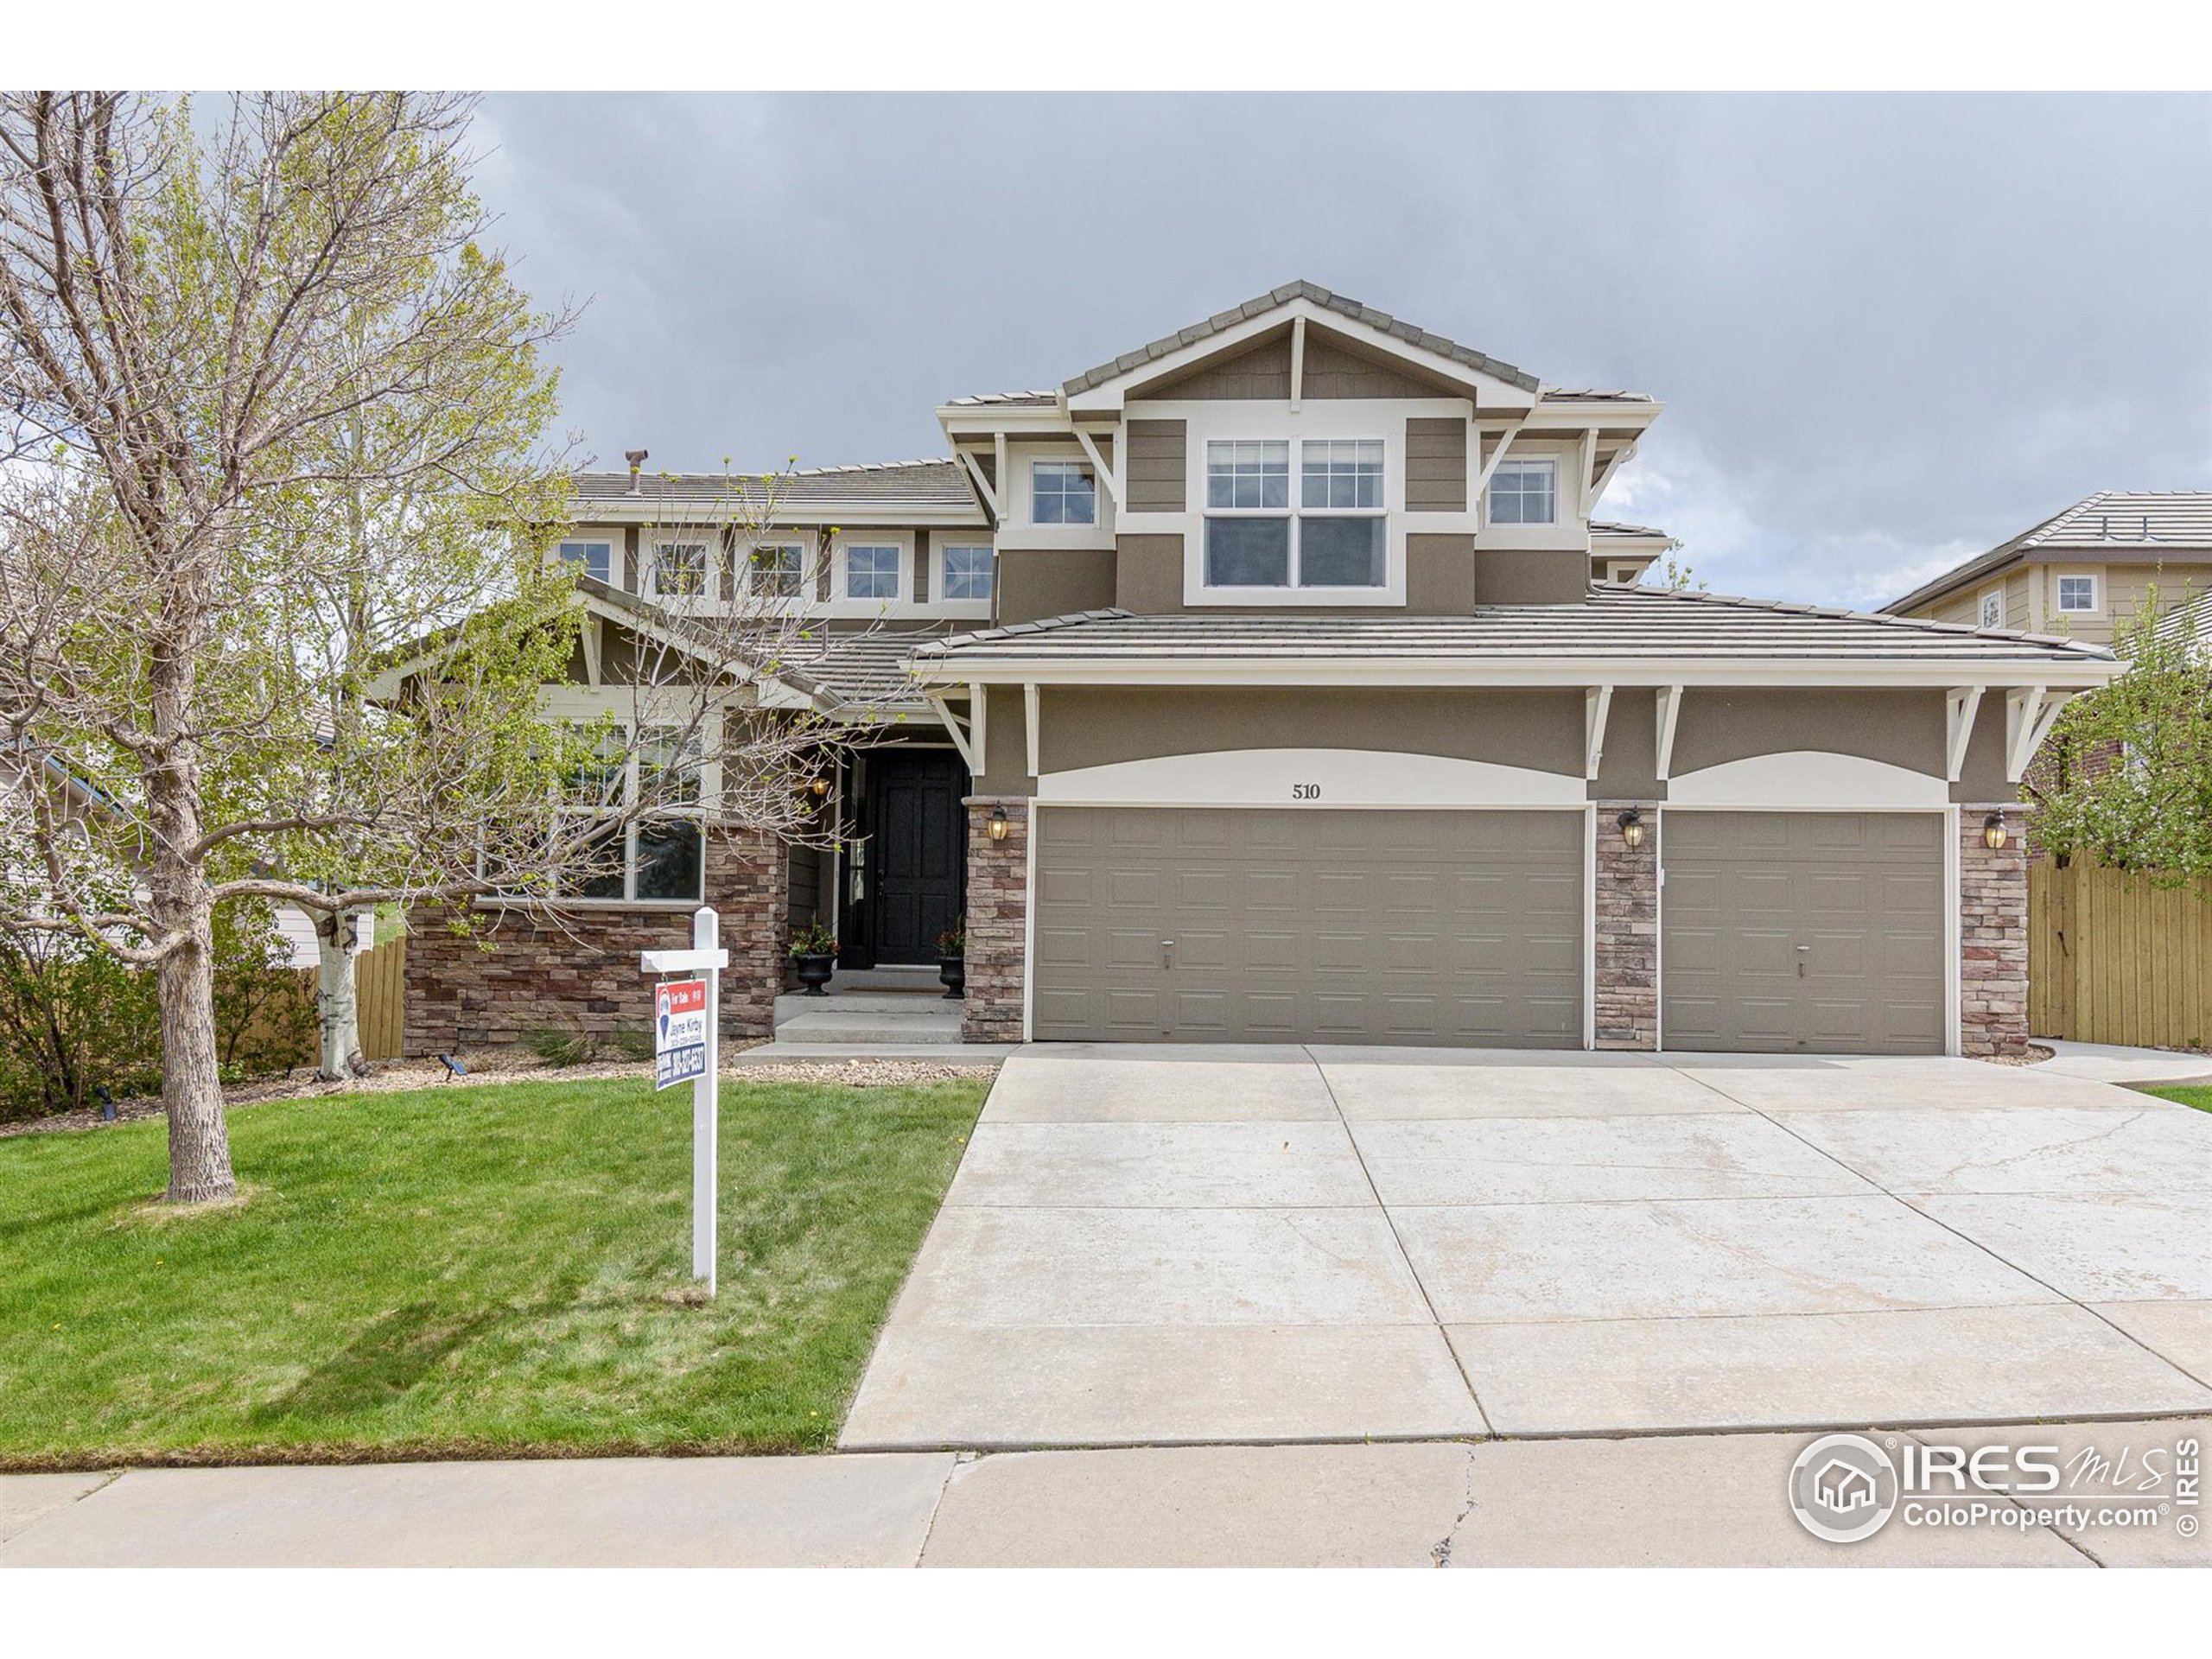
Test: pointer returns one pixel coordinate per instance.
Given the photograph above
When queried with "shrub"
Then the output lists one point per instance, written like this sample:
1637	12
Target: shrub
563	1045
71	1018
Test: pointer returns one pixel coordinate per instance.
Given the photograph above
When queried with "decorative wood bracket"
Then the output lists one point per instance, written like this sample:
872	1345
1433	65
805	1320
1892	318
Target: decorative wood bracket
1597	705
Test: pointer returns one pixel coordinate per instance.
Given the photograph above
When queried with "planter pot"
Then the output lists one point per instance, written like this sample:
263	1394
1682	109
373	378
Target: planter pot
952	974
814	972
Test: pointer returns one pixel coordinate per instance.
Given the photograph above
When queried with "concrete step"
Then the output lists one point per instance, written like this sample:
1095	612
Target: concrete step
867	1017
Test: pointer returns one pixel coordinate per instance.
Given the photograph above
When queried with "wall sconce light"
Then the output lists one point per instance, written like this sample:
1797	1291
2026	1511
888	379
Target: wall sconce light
1631	824
997	824
817	787
1994	832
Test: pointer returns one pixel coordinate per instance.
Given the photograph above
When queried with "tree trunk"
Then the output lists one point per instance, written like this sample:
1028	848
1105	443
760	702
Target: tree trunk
338	1007
191	1087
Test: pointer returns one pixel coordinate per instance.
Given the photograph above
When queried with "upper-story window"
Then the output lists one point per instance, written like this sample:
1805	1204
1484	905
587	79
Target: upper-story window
967	575
1524	492
1991	615
1332	537
2077	596
1062	492
776	571
872	571
678	570
593	559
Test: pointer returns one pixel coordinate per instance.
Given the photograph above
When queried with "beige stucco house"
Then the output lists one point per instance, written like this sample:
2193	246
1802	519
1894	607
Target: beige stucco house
2087	572
1284	681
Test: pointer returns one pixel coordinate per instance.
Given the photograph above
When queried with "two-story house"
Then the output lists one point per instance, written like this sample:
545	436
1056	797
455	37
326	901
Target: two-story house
2087	573
1280	681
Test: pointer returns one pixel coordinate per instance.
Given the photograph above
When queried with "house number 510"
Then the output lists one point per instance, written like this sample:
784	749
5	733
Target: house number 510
1306	792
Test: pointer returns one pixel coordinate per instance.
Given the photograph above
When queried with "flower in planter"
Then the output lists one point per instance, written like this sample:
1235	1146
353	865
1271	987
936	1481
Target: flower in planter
953	942
815	940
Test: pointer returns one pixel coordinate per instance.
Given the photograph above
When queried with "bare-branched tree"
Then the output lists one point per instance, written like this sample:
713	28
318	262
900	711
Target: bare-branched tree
277	602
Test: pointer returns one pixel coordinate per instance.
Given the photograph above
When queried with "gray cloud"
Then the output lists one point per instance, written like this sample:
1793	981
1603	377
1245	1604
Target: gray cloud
1891	330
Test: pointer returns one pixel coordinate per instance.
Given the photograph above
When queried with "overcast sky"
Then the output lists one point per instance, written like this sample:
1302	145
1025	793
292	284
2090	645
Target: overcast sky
1890	331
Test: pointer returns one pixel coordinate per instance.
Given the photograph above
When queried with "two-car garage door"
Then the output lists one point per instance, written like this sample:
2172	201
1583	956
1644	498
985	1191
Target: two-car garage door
1262	925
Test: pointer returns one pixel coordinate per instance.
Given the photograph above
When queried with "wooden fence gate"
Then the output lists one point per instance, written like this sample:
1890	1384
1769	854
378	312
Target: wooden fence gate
380	998
2114	959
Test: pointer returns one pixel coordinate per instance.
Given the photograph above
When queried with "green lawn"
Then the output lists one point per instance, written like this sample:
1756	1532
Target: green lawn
2199	1095
464	1271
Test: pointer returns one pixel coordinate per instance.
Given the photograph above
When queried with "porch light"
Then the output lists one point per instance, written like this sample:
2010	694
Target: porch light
817	787
997	824
1994	832
1631	824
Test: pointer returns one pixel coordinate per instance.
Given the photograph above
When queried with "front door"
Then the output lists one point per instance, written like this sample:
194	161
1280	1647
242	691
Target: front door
918	848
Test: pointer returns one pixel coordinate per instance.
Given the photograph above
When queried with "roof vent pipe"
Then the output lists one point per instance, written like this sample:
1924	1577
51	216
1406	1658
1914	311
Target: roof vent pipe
637	460
2146	526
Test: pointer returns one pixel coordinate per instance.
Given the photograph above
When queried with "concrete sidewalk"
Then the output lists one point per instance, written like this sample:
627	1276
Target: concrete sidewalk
1690	1500
2135	1067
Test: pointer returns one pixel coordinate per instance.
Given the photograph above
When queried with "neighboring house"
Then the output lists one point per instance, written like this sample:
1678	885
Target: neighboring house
2086	572
1276	682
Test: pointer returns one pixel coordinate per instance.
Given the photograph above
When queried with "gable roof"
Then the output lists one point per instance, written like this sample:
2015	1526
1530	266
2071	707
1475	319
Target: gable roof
2126	526
1619	628
1313	293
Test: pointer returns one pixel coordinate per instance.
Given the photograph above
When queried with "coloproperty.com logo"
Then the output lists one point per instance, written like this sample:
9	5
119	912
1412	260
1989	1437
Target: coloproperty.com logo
1844	1487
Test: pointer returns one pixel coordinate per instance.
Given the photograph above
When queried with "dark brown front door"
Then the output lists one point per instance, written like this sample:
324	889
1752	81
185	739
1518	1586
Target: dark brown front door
918	849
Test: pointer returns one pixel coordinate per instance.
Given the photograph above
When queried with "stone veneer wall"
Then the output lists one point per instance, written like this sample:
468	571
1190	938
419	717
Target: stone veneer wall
1992	936
1627	923
526	970
998	915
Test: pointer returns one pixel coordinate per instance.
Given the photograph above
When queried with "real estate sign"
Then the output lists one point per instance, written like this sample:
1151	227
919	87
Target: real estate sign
679	1032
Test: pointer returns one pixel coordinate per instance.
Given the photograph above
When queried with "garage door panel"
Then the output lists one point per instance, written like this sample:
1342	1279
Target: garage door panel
1808	930
1381	926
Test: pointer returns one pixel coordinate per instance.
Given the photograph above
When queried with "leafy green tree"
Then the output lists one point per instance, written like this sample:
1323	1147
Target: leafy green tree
2127	774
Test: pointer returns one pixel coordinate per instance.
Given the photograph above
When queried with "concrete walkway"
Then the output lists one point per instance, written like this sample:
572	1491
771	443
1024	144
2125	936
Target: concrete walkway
1172	1245
1715	1500
2108	1063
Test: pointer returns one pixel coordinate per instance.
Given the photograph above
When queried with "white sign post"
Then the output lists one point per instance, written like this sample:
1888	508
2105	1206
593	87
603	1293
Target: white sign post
686	1045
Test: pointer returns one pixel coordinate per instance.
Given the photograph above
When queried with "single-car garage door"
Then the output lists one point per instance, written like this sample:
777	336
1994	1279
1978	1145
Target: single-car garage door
1197	925
1820	932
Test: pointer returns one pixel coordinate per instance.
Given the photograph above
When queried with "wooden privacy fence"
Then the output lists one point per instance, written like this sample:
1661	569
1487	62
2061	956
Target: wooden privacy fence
380	991
2114	959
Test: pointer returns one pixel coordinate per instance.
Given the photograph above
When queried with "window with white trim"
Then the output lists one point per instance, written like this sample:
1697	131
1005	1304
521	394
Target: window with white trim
775	570
2077	596
872	570
1334	535
656	859
677	570
1992	609
1062	492
593	559
1524	492
964	575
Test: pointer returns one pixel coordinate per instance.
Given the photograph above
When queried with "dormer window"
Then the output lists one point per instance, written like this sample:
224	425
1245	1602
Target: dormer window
1334	536
1525	492
1062	492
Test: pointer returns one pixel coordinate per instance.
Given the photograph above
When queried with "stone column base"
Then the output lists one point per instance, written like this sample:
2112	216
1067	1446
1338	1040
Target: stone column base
998	920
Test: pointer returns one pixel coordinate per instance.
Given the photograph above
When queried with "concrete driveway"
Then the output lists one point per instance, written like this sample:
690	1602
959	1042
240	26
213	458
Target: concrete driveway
1153	1245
